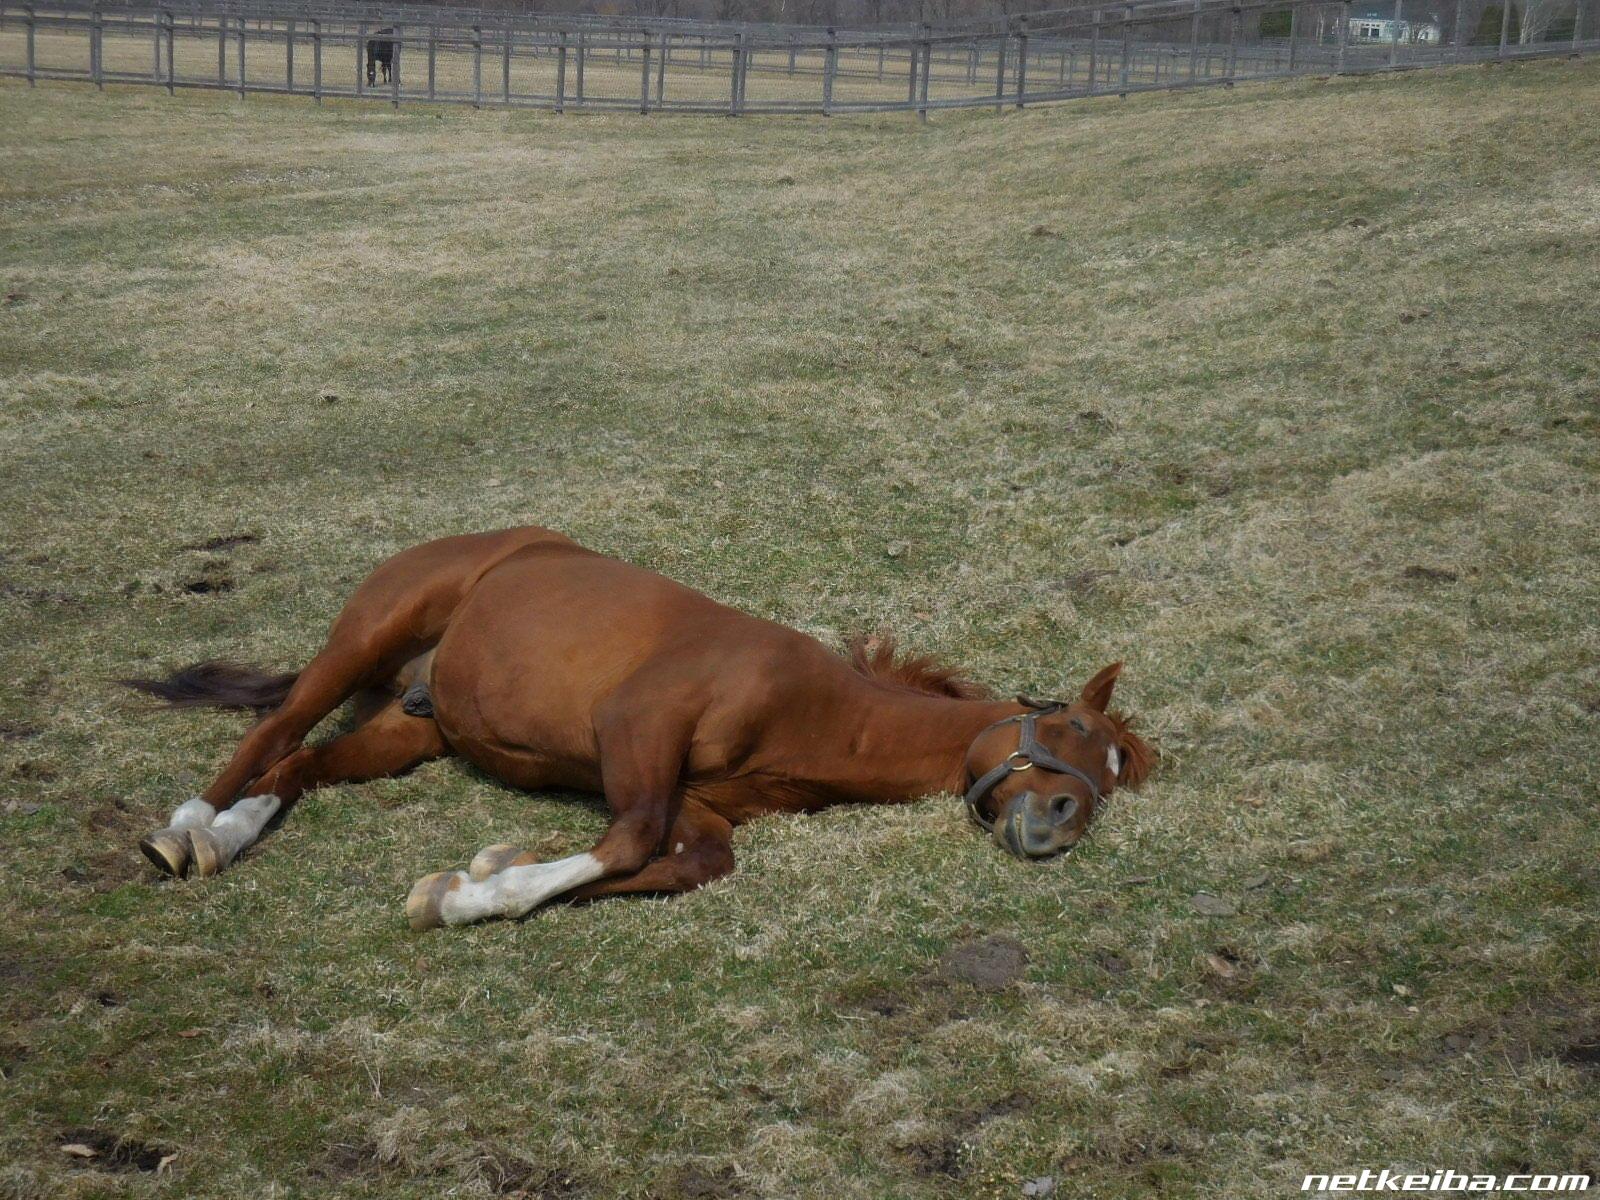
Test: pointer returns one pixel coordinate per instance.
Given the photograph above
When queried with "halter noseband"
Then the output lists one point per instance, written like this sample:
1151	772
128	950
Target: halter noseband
1028	754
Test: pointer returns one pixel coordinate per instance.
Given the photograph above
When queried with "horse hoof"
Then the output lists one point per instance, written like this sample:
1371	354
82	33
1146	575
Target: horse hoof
491	860
205	853
425	905
168	849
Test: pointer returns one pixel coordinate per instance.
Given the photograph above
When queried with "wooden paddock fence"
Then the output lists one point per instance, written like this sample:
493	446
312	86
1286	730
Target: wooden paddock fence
574	63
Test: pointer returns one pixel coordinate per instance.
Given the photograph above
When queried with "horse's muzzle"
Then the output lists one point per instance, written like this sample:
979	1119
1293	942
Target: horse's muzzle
1039	826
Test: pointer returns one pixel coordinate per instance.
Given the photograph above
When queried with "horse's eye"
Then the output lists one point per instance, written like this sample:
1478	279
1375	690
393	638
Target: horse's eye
1079	726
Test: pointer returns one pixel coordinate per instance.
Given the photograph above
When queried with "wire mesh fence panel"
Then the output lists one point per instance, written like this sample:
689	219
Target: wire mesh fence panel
528	76
783	77
968	70
612	69
193	56
695	73
872	73
61	46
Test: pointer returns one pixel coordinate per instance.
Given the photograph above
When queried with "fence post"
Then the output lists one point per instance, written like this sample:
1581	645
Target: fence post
1000	70
1294	29
433	57
396	53
583	45
1094	51
97	48
241	56
1577	23
1233	44
172	71
561	74
644	73
736	97
33	64
222	51
477	66
361	59
661	71
288	56
1505	25
1344	34
1127	49
505	64
1194	41
1022	59
1394	34
155	47
830	66
914	52
316	60
927	70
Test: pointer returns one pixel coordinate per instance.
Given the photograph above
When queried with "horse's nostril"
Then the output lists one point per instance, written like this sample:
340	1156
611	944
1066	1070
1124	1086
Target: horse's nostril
1063	809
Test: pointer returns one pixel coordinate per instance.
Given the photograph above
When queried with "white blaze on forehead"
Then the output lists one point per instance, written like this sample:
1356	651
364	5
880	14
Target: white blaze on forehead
517	890
1113	760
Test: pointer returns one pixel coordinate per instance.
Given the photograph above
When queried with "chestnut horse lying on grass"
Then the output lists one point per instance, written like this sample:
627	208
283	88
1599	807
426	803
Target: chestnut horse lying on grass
551	666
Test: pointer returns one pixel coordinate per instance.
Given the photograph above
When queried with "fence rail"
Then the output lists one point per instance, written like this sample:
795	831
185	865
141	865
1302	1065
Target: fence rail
421	54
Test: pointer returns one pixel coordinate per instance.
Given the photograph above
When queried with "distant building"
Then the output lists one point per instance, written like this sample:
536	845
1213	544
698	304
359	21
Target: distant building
1376	23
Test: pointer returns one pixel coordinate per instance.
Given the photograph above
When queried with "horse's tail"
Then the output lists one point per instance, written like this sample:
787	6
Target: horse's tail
218	685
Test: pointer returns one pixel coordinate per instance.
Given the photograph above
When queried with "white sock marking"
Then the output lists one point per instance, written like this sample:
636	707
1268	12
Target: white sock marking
1113	761
239	826
518	890
194	813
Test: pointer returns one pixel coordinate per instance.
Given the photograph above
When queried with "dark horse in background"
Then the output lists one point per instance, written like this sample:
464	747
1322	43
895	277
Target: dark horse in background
381	51
550	666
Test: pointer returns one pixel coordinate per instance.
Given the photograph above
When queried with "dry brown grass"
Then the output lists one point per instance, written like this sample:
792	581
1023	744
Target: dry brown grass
1286	397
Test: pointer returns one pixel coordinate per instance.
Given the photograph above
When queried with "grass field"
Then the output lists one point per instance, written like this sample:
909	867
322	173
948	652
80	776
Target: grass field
1287	397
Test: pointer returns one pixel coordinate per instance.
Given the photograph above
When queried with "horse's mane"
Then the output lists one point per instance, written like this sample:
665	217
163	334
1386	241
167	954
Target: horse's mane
875	657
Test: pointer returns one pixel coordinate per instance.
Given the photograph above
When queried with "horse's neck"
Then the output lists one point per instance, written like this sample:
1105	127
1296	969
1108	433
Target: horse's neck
896	745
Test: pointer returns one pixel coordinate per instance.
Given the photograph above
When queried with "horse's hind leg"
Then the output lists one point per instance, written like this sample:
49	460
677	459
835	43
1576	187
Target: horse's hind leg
203	828
391	742
397	614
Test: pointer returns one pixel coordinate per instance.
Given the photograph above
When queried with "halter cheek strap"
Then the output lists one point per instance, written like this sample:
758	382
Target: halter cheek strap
1029	753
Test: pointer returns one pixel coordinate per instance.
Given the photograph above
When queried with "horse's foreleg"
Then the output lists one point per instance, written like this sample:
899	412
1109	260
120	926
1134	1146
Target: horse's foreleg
699	848
640	765
389	743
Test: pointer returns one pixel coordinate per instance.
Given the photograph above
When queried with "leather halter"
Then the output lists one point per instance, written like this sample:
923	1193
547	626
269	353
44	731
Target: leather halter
1028	754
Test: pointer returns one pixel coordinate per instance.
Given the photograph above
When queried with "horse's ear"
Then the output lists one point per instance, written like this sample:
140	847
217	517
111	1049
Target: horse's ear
1097	692
1137	755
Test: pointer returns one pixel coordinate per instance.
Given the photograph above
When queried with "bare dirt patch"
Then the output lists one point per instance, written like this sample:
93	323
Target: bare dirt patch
102	1150
990	965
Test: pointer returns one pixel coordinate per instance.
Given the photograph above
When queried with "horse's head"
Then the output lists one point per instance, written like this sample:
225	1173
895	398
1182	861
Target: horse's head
1036	779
